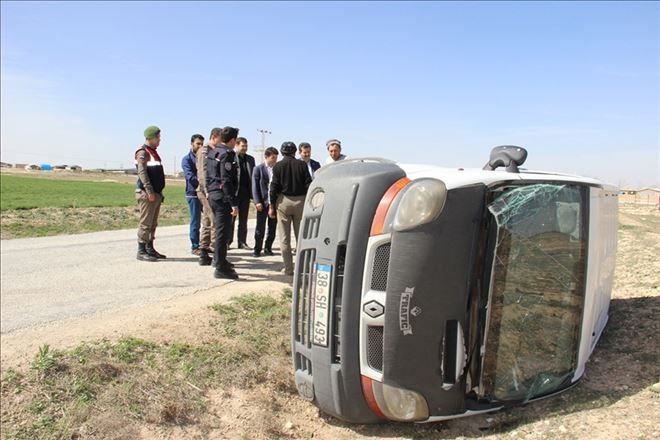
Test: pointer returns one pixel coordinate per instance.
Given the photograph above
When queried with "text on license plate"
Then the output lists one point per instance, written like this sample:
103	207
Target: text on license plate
321	301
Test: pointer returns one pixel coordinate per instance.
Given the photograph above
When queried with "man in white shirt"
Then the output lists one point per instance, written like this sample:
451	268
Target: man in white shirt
334	151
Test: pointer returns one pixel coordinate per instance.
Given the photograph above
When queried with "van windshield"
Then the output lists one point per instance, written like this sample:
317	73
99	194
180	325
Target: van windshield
536	291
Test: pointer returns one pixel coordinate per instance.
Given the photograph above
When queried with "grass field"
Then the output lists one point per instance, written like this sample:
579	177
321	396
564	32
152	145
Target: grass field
43	204
23	192
49	204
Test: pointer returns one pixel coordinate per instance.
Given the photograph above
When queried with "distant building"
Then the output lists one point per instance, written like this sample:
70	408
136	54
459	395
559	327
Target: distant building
5	165
20	165
649	196
644	196
32	167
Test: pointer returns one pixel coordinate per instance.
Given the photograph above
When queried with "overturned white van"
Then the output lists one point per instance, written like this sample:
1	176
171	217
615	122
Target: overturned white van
424	293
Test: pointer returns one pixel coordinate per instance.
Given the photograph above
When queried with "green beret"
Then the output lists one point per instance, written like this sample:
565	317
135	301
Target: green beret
151	132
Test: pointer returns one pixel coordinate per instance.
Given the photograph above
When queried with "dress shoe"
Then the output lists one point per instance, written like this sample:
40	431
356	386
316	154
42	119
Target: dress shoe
256	254
244	246
197	252
268	252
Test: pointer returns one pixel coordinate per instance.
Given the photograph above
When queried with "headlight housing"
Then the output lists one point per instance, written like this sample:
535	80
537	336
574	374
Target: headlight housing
317	199
400	404
421	202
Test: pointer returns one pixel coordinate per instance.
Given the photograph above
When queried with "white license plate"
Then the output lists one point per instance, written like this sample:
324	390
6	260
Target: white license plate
321	304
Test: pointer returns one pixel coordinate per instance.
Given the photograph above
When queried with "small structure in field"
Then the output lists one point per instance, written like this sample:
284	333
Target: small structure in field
649	196
644	196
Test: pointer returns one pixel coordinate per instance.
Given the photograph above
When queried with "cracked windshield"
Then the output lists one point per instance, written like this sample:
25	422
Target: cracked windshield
536	291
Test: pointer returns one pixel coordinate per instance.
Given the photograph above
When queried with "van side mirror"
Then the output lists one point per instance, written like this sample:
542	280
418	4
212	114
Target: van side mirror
509	156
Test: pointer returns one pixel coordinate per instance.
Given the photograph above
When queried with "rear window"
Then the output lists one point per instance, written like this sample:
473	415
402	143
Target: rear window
536	290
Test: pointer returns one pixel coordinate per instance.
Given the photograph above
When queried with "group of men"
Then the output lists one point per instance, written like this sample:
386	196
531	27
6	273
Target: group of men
221	180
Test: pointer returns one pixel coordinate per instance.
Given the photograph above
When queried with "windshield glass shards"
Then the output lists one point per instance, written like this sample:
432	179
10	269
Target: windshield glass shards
536	291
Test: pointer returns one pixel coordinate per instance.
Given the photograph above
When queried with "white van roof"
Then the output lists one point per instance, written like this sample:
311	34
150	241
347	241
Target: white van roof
457	177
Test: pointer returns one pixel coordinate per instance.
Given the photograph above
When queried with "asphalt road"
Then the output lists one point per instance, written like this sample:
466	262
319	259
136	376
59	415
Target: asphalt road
55	278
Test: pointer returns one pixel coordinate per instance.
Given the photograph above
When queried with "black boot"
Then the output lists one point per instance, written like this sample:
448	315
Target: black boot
143	255
204	259
153	252
225	272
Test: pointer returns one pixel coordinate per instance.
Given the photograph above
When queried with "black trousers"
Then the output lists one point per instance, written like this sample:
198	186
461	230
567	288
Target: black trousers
259	232
241	218
222	215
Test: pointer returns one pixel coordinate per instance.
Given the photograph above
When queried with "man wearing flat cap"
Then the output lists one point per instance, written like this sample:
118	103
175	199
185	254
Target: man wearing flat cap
149	193
334	151
288	188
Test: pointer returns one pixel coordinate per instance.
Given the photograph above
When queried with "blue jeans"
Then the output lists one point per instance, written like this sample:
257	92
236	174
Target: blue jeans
195	209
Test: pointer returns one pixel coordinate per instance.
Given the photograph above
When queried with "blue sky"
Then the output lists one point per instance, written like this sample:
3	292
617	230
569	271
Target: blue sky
577	84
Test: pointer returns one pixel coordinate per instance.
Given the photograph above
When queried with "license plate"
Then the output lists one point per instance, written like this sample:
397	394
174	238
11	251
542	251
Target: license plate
321	304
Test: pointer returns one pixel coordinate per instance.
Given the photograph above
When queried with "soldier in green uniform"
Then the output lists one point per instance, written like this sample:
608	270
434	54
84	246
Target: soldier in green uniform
149	193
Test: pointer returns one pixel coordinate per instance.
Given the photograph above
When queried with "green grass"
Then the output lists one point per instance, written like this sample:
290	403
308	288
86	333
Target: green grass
38	206
20	192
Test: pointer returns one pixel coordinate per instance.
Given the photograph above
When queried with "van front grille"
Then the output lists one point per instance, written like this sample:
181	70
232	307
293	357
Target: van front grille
303	364
311	227
381	263
304	296
375	347
338	292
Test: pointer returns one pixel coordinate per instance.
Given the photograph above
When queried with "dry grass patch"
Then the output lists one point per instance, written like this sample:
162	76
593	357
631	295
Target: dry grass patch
112	389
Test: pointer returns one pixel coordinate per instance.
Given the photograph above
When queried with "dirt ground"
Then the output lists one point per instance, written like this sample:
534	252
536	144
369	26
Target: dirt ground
619	396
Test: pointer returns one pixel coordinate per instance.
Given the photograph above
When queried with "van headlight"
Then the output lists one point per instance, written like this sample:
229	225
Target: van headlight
421	202
400	404
317	199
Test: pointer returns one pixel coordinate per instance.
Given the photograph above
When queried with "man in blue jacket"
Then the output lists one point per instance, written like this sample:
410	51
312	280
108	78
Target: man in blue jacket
260	185
189	166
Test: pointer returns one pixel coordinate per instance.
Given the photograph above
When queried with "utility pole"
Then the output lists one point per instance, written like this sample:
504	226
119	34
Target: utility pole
259	151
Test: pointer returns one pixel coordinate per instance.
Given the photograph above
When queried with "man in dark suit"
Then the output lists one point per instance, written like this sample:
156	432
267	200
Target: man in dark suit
245	164
261	177
305	151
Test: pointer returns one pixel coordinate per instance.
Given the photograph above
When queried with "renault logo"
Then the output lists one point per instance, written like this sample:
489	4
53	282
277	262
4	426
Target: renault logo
374	309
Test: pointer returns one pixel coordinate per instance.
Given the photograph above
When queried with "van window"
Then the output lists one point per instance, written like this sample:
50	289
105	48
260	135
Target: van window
536	291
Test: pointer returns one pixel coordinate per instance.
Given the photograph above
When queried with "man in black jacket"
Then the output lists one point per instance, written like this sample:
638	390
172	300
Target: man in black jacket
245	169
222	187
287	197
